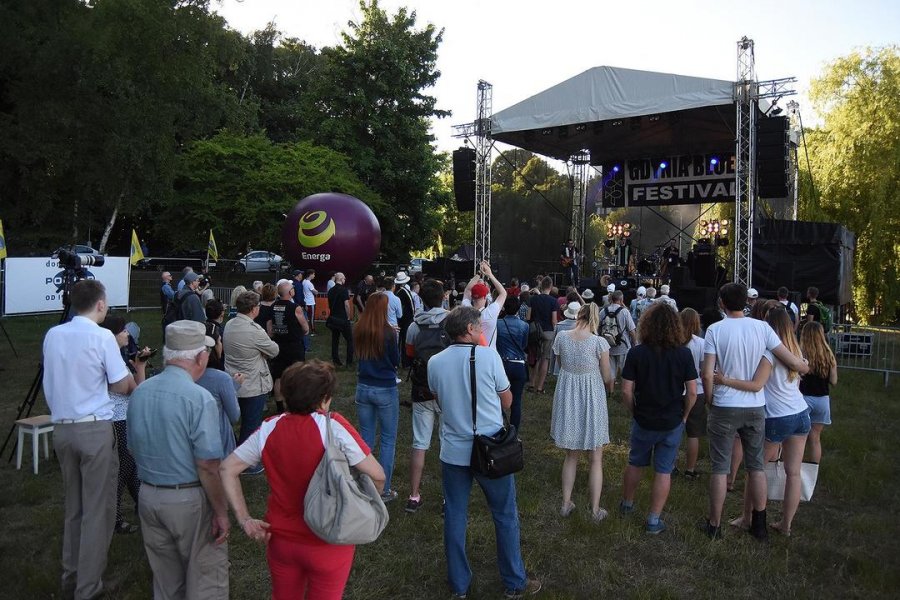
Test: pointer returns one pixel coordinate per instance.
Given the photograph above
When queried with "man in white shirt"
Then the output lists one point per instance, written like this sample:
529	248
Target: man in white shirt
309	300
665	299
82	364
476	294
734	347
792	310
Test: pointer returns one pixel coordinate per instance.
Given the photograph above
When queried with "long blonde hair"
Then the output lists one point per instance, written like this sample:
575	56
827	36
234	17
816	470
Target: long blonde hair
779	320
816	349
589	317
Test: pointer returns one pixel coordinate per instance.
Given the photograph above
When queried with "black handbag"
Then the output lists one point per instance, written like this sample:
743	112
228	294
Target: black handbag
498	455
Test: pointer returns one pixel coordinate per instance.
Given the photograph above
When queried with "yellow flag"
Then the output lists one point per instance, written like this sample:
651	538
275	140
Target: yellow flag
137	254
212	251
2	242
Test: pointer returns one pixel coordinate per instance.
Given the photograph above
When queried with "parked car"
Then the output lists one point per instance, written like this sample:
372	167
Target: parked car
415	265
257	261
79	249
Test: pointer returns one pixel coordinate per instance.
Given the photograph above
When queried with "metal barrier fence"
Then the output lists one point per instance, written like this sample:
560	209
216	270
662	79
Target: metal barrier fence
144	287
867	348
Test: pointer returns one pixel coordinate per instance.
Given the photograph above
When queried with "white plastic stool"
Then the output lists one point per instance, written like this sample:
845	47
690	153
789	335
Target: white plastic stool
36	427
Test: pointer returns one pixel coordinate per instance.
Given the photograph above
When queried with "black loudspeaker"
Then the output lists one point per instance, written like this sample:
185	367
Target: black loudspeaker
772	157
464	178
698	298
705	270
679	276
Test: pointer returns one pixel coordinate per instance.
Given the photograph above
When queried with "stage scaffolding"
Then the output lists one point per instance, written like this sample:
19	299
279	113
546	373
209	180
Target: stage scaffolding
747	94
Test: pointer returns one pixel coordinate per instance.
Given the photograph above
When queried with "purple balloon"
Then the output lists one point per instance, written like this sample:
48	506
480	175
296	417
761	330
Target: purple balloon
332	232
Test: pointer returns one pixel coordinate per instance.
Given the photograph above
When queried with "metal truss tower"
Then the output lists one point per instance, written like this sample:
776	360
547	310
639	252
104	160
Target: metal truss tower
745	92
579	169
483	146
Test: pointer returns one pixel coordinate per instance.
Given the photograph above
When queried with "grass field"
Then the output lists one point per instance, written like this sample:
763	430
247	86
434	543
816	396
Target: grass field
845	542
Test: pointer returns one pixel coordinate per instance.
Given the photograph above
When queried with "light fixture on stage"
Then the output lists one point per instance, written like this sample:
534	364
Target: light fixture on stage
713	162
547	131
627	234
663	164
653	118
581	128
615	168
617	122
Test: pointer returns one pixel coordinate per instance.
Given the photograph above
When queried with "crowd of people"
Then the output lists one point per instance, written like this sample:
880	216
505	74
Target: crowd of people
752	376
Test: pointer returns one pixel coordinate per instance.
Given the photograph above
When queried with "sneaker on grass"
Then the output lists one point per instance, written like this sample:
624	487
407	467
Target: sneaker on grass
655	529
413	505
532	587
389	496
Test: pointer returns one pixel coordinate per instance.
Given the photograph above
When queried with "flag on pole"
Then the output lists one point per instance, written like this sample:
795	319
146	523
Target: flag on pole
2	242
212	251
137	254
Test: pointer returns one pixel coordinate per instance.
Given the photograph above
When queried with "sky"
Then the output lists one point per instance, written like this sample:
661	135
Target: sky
523	47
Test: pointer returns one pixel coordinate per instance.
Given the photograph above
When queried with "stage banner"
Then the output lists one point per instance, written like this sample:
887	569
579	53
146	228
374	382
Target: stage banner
35	285
664	181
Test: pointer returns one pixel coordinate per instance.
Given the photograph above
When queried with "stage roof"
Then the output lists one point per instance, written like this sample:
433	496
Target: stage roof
622	113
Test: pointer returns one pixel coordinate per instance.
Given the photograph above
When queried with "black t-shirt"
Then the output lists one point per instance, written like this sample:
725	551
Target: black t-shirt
286	329
264	316
214	330
542	308
813	385
337	295
659	376
813	310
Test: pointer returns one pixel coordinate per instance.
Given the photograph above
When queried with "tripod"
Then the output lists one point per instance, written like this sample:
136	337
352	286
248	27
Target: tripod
70	277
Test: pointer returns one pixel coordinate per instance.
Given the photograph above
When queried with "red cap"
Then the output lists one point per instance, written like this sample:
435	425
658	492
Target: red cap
480	290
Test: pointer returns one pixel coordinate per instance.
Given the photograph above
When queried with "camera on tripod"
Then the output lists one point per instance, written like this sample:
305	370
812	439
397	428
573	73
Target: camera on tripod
72	260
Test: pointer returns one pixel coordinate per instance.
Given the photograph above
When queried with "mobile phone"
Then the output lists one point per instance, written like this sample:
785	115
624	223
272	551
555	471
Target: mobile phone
146	356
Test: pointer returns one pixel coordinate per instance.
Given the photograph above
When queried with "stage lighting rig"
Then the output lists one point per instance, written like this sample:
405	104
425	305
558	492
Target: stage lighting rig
716	229
614	230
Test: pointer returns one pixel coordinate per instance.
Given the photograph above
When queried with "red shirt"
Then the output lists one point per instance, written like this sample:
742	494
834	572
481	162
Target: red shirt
290	447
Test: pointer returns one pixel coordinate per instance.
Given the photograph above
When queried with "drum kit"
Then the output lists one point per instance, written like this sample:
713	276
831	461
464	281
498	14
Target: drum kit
650	267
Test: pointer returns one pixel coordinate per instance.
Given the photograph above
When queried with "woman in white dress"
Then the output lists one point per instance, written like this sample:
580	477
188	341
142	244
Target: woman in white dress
580	421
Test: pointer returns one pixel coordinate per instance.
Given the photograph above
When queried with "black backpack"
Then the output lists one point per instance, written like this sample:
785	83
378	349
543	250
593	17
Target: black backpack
173	309
430	340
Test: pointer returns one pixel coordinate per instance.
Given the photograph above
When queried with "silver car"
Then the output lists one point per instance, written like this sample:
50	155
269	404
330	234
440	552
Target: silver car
257	261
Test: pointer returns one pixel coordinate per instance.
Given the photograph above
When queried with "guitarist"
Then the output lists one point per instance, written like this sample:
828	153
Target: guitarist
568	260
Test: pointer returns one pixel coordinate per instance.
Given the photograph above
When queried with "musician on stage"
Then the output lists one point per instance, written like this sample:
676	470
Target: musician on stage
568	259
670	259
623	254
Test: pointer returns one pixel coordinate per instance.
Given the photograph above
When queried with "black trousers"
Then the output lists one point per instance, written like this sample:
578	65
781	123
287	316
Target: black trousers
338	329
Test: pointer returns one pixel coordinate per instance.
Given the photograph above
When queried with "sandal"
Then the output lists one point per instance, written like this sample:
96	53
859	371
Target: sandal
539	391
567	509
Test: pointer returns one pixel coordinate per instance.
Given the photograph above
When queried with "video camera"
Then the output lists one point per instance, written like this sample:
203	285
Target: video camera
72	260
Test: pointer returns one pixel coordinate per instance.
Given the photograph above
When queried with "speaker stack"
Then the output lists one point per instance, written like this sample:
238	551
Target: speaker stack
464	178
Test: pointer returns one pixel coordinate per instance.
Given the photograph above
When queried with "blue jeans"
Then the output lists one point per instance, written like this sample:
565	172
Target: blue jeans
518	376
501	498
251	415
381	405
662	445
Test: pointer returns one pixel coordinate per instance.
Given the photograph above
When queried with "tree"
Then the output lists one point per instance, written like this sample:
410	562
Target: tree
854	158
97	100
372	107
240	186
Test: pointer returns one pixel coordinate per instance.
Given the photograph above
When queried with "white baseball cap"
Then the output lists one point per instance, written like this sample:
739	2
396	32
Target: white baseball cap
611	288
752	293
642	291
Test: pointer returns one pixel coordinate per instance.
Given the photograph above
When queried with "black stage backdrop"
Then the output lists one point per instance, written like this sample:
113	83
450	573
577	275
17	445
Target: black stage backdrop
799	254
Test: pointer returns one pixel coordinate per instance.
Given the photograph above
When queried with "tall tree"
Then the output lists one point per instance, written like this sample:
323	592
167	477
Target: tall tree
241	186
854	158
373	107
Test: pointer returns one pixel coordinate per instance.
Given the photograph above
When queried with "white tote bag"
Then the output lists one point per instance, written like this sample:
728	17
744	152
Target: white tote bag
775	476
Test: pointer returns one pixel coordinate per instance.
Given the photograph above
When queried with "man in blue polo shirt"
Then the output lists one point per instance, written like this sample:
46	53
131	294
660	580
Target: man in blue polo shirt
173	433
449	380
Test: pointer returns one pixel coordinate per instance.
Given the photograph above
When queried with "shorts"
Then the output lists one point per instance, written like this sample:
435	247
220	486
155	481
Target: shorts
819	409
696	421
424	414
547	338
616	363
721	425
663	445
779	429
286	357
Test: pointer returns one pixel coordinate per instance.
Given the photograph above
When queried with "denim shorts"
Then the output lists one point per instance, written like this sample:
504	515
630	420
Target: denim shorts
819	409
779	429
424	415
663	445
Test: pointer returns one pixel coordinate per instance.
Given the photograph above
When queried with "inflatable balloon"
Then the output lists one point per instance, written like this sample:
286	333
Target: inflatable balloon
332	232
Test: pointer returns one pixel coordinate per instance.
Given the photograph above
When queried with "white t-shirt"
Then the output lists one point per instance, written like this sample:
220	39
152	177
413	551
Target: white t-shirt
81	359
309	293
489	316
696	347
783	397
739	344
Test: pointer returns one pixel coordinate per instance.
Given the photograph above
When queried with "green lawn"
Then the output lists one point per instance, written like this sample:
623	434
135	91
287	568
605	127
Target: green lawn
845	543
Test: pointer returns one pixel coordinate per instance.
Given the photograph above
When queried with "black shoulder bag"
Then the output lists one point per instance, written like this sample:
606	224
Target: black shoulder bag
498	455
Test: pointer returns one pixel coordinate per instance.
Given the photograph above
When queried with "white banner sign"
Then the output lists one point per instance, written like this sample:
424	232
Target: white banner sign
35	285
